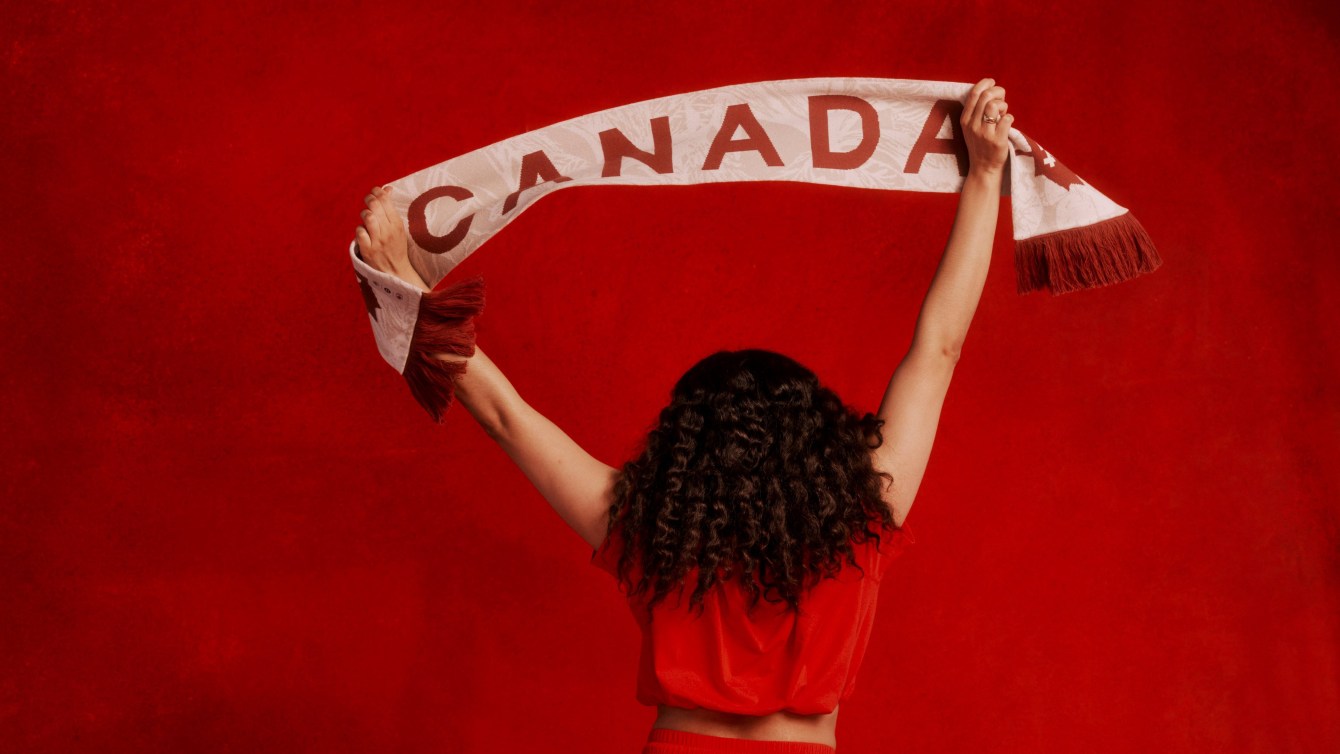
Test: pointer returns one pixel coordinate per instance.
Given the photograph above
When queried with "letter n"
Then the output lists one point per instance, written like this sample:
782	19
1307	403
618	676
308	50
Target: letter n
615	146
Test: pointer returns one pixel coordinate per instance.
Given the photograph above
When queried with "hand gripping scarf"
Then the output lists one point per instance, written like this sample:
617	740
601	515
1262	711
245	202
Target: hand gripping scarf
873	133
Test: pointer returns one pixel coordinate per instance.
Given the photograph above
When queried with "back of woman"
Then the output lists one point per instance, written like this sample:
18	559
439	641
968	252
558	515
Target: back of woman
768	658
750	537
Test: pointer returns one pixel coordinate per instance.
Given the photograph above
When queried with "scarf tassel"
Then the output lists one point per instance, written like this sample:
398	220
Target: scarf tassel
1090	256
446	325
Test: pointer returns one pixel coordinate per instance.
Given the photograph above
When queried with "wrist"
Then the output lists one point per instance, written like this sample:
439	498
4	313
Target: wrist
406	272
986	175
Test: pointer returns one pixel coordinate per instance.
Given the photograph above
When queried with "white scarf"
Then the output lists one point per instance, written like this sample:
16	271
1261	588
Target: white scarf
895	134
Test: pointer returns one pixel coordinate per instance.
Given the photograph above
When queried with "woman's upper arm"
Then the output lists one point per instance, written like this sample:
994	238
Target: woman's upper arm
911	414
579	487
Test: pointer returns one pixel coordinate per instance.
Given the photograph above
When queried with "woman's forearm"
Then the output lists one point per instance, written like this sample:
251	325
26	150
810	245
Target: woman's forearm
957	286
487	393
383	243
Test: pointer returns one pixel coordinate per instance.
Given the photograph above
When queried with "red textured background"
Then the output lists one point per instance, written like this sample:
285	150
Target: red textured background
226	526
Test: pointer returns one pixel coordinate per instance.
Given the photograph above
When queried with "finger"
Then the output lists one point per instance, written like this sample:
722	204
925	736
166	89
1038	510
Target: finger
999	132
972	110
372	222
382	205
989	94
994	110
970	104
363	241
389	215
374	206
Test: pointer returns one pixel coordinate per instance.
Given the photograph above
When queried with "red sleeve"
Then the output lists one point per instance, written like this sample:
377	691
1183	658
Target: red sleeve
606	556
894	544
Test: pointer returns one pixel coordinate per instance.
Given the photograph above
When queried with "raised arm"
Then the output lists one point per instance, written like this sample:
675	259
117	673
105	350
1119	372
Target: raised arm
916	393
579	487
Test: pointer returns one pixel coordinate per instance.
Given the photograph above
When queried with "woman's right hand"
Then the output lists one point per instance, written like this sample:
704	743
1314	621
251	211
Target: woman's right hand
988	143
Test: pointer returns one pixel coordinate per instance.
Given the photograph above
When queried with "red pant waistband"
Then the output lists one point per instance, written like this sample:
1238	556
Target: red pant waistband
670	741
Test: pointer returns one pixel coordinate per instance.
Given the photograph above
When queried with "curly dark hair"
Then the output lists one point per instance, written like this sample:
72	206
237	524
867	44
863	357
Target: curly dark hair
753	465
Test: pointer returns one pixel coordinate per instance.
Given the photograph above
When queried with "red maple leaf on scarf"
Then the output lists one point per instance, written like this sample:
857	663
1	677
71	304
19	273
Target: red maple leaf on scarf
1049	167
369	297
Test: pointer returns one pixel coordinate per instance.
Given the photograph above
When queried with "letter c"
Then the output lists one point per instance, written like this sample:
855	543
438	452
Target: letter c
418	220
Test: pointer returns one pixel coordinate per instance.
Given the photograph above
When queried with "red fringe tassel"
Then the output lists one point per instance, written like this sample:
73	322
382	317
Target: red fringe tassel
1091	256
446	325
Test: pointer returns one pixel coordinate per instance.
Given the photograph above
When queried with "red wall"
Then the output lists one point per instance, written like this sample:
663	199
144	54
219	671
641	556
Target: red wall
227	527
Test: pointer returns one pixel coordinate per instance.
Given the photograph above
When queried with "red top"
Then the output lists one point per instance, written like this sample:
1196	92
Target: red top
777	660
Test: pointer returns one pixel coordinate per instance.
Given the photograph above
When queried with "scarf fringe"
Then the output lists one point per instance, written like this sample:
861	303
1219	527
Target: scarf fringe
446	324
1090	256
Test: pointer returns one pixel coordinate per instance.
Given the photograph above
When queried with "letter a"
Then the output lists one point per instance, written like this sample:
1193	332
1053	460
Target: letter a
929	143
757	140
535	169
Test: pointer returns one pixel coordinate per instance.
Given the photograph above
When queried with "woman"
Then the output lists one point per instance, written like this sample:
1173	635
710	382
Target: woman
760	503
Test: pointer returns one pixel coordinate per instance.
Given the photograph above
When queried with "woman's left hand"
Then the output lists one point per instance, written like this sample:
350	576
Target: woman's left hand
988	143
